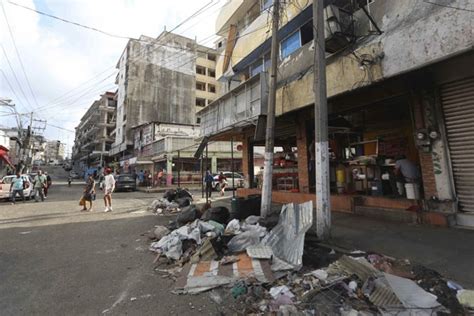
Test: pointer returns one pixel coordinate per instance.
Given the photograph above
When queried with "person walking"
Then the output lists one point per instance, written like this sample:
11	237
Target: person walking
48	184
109	186
208	179
17	187
89	193
160	177
39	184
222	183
69	180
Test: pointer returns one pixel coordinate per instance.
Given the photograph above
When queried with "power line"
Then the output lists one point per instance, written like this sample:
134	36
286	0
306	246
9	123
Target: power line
18	54
448	6
61	128
9	84
16	79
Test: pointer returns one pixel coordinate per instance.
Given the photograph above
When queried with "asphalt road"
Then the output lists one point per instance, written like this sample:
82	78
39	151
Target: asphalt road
56	260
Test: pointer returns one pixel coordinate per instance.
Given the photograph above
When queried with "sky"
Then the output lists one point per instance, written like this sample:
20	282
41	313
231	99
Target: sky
67	66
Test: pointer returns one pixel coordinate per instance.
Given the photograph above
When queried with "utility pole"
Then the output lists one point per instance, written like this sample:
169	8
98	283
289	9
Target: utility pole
323	207
270	132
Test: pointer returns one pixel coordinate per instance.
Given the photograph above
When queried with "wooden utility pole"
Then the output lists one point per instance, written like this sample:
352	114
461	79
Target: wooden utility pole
270	132
323	207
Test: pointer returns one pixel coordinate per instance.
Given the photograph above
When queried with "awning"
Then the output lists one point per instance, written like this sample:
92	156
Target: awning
4	156
144	162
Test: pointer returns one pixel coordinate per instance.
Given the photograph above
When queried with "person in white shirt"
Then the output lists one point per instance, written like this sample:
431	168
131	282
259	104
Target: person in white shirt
109	186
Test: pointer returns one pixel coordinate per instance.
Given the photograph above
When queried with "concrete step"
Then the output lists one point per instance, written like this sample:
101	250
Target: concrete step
388	214
465	219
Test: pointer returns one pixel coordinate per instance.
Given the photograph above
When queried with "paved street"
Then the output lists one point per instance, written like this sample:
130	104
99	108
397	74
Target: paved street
56	260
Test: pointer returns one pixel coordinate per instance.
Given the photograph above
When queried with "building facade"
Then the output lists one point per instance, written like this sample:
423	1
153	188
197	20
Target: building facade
384	101
166	80
54	151
93	138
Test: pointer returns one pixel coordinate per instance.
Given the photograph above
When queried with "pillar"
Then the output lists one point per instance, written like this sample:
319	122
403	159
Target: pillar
302	145
245	160
169	170
214	164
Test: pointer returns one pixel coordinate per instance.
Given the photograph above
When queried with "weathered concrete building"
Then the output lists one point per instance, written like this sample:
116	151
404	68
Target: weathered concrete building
93	138
54	151
167	79
399	82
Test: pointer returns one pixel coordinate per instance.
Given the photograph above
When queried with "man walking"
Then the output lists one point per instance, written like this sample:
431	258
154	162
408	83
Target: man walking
208	179
17	187
109	186
48	184
39	184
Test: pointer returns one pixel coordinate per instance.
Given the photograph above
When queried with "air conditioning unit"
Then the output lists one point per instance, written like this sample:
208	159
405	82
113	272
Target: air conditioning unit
338	28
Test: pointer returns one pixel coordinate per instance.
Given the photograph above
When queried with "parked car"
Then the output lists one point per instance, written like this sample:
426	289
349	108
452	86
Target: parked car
125	182
6	182
238	181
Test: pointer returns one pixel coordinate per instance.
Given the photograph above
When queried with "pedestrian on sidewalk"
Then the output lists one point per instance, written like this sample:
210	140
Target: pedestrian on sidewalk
109	187
48	184
160	177
208	179
69	180
89	193
39	185
222	183
17	187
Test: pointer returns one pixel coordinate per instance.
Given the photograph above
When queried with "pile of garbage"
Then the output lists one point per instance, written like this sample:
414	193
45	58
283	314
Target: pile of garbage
261	270
172	202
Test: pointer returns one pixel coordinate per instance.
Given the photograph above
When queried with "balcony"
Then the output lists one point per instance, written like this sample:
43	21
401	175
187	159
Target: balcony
238	107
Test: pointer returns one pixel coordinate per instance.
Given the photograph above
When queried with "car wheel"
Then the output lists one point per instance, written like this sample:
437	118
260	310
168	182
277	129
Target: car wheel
217	187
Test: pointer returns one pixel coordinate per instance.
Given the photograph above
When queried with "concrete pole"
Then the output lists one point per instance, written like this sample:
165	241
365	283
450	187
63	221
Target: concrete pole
232	165
270	129
179	169
323	207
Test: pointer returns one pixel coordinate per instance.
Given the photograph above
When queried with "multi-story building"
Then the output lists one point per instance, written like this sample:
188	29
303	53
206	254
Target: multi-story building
54	151
157	82
94	134
399	82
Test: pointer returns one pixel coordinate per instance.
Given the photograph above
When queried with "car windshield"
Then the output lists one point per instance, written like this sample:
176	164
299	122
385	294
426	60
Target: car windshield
126	178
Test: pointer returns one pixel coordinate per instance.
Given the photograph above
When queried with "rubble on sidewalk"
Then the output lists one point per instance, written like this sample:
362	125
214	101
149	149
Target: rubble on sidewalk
264	271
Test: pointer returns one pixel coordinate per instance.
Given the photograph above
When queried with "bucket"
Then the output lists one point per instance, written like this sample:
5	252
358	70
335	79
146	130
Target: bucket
413	191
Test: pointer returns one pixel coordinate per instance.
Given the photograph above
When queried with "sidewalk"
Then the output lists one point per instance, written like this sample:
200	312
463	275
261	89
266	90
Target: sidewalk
449	251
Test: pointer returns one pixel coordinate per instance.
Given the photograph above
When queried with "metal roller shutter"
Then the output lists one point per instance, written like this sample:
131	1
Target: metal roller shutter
458	107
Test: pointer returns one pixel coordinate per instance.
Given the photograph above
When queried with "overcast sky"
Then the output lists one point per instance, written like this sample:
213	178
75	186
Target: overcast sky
67	65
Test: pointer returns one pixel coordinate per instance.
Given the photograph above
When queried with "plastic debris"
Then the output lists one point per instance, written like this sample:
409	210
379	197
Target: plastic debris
238	289
454	286
233	227
229	259
281	290
466	298
252	220
160	232
320	274
216	297
242	241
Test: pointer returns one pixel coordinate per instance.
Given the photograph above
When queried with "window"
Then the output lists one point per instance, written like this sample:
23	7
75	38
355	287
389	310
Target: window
211	57
211	73
200	102
198	120
200	70
307	33
265	4
211	88
201	86
290	44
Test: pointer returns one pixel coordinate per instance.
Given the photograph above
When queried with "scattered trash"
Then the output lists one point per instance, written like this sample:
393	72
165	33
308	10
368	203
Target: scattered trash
260	252
216	297
133	299
233	227
454	286
277	291
160	232
320	274
466	298
218	214
229	259
244	240
238	289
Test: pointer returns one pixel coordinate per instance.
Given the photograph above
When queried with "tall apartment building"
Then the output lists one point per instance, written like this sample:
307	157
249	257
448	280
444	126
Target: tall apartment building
54	151
94	133
166	80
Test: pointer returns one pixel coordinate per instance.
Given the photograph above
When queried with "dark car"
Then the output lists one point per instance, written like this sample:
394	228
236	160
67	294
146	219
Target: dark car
125	182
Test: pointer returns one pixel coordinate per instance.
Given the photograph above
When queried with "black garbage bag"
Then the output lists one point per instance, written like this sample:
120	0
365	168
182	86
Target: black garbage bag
170	195
183	193
218	214
187	215
183	202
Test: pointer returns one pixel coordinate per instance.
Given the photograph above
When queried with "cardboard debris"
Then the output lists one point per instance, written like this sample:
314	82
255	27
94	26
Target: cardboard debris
260	252
205	275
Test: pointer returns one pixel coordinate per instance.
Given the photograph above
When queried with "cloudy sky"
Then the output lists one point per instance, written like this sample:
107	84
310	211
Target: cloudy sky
69	66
